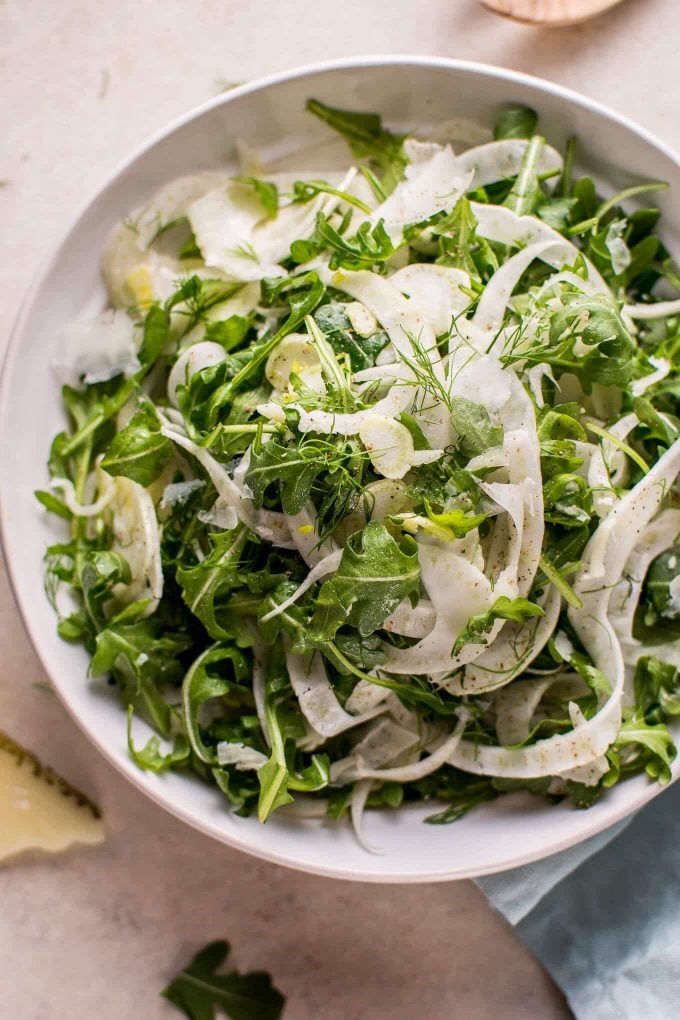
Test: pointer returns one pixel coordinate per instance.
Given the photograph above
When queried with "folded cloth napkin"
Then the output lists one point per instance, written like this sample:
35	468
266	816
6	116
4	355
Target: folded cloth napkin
604	916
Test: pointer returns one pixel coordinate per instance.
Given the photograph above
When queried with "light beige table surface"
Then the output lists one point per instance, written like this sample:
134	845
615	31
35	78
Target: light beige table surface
95	934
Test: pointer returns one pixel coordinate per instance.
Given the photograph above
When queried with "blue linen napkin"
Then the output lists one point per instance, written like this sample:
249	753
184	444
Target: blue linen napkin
604	916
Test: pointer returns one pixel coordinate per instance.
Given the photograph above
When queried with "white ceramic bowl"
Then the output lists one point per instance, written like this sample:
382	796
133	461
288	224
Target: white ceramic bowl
409	92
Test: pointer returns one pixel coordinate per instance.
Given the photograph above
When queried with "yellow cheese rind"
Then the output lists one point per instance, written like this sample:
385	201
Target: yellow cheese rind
39	810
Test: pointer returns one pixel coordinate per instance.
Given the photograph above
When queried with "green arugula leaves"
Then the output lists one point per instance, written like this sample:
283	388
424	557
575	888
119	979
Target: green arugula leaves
139	451
368	140
518	609
199	990
375	574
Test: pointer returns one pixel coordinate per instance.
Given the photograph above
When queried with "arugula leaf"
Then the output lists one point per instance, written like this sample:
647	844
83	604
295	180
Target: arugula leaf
657	689
278	776
198	990
218	672
139	451
518	609
335	325
305	191
473	425
368	139
375	574
231	332
456	520
293	468
142	655
640	745
516	122
204	585
459	245
155	336
149	757
370	245
526	192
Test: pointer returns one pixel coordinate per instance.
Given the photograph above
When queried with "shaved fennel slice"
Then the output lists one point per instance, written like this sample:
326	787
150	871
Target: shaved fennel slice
602	566
328	565
616	460
397	400
384	742
662	368
443	570
514	707
137	538
658	310
268	524
510	654
305	538
194	359
411	621
595	472
317	699
535	376
134	273
360	794
496	223
496	161
412	772
106	487
235	237
389	445
365	695
437	289
240	755
494	301
658	536
431	185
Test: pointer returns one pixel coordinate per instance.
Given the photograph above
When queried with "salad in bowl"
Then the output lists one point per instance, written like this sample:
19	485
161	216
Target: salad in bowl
369	485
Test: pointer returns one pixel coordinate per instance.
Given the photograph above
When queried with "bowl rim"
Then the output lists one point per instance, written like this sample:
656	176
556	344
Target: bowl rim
637	799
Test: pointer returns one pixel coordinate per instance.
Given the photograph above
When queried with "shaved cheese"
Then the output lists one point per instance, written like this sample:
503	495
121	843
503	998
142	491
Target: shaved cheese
95	350
178	493
240	755
361	320
40	811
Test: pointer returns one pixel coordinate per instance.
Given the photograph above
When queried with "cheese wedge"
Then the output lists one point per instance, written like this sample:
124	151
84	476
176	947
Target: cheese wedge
38	809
